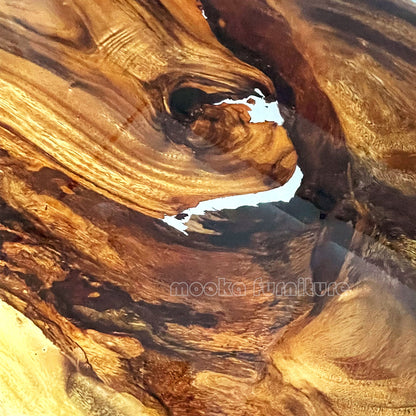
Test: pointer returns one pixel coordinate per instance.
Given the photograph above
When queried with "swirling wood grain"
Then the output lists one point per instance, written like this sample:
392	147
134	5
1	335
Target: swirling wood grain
107	122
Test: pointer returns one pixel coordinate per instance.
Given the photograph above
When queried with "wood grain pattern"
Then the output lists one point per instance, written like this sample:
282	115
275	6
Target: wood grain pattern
97	101
108	122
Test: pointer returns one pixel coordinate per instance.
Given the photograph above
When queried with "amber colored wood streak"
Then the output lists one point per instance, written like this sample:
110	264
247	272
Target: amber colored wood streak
95	147
94	98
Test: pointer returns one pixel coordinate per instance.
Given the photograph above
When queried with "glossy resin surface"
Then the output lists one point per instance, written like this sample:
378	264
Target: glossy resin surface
118	117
